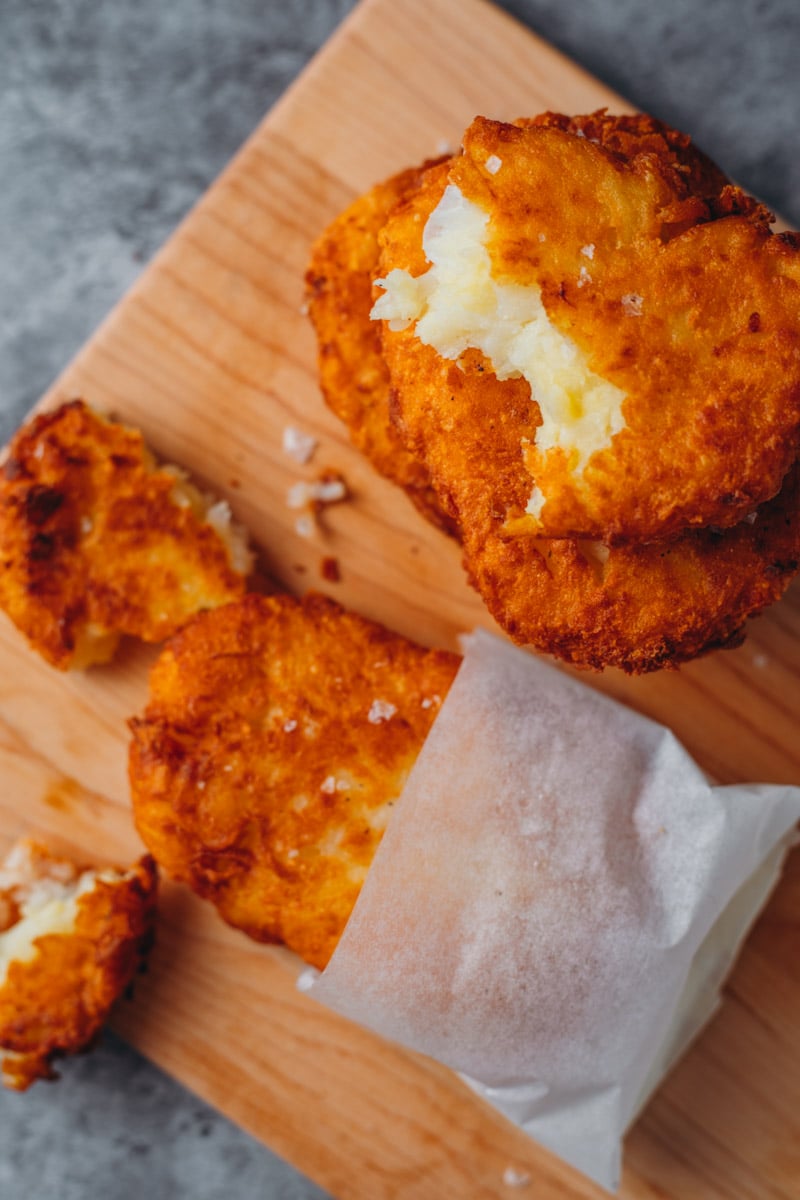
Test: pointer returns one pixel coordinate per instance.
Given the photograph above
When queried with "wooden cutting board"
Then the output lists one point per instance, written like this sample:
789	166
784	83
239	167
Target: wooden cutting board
211	355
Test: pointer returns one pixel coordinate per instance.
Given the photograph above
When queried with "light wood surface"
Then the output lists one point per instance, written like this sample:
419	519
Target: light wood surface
211	355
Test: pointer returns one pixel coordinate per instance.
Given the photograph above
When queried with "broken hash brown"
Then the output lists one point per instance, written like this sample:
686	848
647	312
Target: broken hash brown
96	541
71	941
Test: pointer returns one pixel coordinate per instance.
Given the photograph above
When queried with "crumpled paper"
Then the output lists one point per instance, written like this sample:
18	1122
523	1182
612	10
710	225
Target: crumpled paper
556	901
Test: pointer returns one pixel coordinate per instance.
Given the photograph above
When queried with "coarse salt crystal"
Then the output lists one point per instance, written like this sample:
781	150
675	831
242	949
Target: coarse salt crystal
588	251
542	237
306	979
493	164
632	304
298	495
292	853
328	491
299	445
380	710
751	518
584	277
427	702
304	526
289	726
328	786
514	1178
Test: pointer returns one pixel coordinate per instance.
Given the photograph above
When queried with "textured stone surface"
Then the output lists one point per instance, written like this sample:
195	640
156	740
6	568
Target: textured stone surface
113	118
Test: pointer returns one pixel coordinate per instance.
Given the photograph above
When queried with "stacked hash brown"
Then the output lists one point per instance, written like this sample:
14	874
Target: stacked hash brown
669	282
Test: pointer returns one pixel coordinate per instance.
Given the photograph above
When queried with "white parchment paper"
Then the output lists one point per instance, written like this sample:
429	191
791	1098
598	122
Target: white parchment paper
554	870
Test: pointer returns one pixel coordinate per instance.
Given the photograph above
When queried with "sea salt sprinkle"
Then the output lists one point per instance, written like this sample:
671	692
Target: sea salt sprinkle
306	979
632	304
584	277
299	445
380	710
588	251
313	495
493	164
328	786
514	1178
328	490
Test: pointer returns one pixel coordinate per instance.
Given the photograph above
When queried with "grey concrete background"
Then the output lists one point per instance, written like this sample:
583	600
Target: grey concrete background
113	118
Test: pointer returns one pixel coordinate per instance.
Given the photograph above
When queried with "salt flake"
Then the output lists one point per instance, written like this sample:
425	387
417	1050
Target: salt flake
380	710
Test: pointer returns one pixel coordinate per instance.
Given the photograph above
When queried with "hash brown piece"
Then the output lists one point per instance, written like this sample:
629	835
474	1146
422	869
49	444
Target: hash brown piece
353	375
277	736
71	941
96	541
672	287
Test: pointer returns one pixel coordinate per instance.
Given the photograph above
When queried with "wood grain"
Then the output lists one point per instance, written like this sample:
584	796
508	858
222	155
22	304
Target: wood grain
211	355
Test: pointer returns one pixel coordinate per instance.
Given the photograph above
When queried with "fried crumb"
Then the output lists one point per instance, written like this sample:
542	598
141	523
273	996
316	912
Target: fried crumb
329	569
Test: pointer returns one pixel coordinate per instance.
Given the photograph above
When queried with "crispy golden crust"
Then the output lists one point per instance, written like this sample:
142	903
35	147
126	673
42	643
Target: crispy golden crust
263	772
56	1003
635	607
710	367
93	543
353	375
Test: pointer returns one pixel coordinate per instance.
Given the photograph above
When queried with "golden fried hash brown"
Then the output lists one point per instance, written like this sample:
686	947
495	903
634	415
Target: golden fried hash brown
674	291
353	375
277	737
71	940
96	542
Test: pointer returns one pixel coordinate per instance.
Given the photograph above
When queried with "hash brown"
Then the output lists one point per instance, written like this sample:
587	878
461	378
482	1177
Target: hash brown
97	542
56	996
277	736
637	607
683	300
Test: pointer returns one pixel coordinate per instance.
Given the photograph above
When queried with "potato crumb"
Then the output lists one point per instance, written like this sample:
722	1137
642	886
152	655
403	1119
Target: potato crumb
380	710
299	445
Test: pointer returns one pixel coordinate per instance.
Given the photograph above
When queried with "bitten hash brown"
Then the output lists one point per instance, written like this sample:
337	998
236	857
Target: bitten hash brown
71	941
353	376
96	541
277	736
679	310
